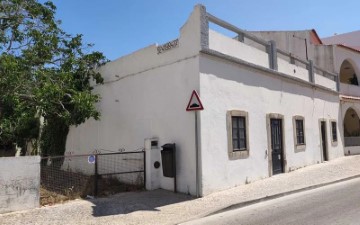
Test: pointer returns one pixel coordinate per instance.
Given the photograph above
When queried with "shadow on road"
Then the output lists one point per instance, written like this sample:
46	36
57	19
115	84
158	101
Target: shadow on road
129	202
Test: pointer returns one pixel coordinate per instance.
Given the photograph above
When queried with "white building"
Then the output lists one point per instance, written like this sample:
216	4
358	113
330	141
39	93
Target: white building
270	106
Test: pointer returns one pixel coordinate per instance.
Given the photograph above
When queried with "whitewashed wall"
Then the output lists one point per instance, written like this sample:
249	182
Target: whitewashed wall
350	90
325	81
291	69
147	105
233	47
227	86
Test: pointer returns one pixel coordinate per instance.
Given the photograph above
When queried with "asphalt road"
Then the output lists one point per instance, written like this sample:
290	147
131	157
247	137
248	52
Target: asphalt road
334	204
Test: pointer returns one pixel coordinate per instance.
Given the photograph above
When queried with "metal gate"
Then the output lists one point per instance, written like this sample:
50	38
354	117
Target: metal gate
126	167
94	174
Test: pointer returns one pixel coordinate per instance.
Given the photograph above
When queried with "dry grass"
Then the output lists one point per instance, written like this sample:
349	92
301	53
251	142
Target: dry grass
51	198
107	187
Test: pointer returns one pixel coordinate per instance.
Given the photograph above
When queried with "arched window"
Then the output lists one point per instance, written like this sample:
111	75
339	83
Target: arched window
351	128
347	74
351	123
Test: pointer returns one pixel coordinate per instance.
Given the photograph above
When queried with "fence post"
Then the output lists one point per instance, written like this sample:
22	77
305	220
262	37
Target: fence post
311	71
96	176
144	169
240	37
272	52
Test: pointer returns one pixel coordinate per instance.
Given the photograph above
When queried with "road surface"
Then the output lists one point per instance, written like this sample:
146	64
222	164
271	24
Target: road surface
334	204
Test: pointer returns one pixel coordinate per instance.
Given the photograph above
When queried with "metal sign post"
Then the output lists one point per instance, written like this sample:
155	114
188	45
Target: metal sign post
196	105
197	157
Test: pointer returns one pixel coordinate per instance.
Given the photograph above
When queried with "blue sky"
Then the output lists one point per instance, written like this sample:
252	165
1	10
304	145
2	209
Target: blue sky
119	27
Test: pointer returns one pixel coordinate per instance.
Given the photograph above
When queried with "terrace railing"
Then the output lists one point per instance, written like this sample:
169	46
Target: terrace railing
273	52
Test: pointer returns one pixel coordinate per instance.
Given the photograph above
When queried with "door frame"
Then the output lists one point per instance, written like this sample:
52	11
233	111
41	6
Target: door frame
269	149
326	140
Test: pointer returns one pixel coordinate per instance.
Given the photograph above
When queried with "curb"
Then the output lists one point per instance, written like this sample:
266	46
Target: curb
271	197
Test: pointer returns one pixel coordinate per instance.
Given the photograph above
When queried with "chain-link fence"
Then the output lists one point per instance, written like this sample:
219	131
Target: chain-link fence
92	175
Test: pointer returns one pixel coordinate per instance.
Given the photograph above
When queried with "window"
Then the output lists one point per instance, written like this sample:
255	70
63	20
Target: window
238	130
333	129
300	139
333	132
299	133
238	133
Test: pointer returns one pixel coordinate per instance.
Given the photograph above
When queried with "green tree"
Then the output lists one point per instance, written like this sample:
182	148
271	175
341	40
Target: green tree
44	72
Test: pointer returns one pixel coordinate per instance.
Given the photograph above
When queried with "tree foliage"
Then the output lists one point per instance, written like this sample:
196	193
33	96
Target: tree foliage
44	72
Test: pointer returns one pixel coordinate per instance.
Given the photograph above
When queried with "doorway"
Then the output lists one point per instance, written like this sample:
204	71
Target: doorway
324	151
276	146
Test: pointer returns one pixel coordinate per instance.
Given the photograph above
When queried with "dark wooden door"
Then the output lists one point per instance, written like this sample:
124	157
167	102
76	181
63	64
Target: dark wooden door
324	141
277	146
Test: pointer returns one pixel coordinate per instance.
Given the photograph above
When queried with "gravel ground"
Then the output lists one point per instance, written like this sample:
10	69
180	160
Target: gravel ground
164	207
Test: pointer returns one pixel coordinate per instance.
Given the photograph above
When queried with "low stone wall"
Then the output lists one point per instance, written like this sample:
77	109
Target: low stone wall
19	183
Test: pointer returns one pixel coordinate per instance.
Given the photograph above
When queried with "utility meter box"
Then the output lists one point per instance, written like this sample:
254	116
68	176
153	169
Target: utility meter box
168	160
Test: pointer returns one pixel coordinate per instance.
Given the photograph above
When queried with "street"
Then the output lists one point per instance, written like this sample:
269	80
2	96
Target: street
334	204
162	207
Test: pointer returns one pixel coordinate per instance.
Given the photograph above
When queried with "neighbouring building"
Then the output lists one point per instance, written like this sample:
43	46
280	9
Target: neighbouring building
273	102
346	57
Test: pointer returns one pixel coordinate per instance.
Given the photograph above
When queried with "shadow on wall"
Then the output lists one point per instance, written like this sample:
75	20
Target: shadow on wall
129	202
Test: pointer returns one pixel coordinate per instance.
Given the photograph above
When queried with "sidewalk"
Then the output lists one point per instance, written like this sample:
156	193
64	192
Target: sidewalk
164	207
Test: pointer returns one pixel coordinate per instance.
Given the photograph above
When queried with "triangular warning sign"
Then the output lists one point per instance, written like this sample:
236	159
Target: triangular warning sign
194	103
